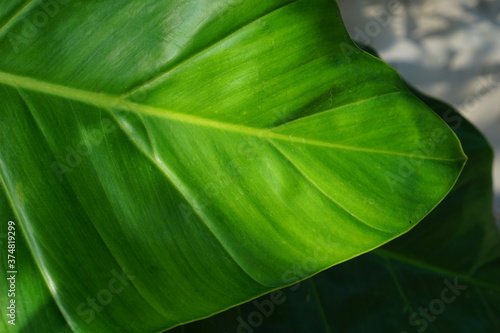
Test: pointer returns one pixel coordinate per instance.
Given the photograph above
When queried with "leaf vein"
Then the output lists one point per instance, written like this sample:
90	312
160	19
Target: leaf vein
185	192
310	181
198	53
387	254
15	15
115	102
84	209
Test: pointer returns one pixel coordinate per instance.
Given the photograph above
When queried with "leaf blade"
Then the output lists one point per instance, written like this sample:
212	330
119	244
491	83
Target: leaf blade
135	173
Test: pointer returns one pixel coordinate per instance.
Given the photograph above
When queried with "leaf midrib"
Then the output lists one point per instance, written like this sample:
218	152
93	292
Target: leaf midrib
111	102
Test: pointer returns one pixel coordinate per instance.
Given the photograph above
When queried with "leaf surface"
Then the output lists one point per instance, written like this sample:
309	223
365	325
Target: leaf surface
442	276
168	160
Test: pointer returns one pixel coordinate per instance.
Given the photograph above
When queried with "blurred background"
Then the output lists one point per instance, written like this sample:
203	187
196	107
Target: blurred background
449	49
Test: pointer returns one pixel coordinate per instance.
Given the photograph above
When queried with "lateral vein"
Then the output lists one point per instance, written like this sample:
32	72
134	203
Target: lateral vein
111	102
18	13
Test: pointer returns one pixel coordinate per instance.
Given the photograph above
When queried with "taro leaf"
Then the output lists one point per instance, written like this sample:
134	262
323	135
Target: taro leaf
168	160
404	286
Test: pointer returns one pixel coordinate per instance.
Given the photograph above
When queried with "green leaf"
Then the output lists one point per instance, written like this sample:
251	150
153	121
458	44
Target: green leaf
33	301
168	160
443	276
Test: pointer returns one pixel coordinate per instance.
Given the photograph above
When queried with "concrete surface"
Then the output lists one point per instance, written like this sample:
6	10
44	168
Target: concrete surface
449	49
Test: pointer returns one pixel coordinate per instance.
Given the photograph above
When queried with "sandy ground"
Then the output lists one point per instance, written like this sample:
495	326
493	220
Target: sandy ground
449	49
